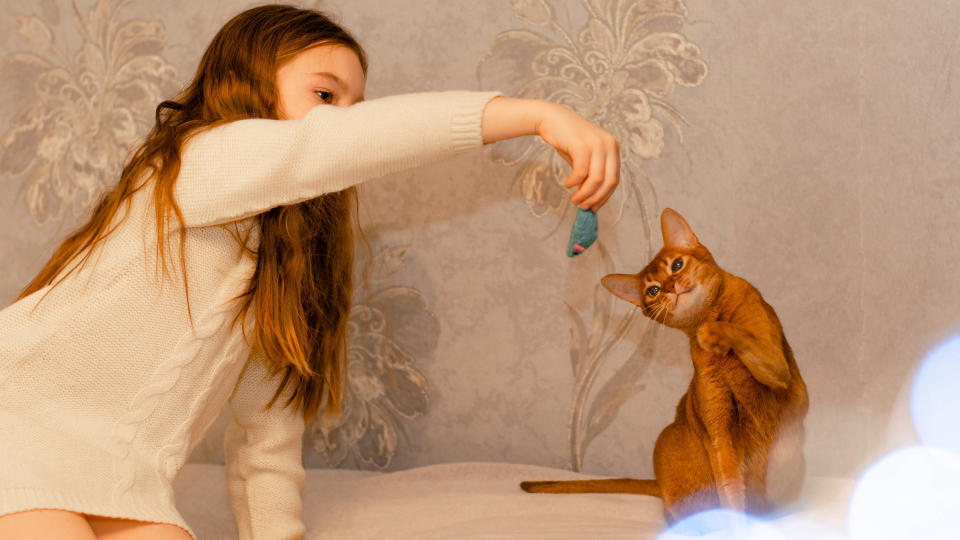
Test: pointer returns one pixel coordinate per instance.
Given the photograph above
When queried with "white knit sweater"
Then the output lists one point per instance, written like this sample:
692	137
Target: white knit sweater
105	388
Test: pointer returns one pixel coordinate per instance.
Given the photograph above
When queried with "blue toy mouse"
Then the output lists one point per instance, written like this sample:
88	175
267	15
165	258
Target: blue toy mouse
583	233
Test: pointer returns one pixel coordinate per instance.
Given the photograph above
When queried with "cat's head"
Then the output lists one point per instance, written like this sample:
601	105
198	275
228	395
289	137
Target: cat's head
679	285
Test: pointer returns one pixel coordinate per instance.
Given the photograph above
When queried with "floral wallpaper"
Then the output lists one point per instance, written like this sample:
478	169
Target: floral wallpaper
616	71
620	68
811	146
389	327
88	106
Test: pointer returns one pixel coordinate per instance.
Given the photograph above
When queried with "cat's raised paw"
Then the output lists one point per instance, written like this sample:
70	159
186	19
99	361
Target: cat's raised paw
711	337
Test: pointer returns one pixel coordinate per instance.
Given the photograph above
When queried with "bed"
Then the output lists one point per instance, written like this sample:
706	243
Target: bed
474	500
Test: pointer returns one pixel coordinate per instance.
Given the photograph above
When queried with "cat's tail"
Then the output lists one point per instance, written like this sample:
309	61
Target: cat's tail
610	485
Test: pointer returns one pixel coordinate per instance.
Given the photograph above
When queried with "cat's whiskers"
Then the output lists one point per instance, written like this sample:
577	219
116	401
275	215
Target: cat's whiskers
659	326
652	311
661	310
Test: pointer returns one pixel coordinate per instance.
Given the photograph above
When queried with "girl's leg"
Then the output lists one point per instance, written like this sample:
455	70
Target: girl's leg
45	524
108	528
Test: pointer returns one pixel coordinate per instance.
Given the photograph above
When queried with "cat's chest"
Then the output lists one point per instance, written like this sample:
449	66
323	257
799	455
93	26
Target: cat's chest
719	373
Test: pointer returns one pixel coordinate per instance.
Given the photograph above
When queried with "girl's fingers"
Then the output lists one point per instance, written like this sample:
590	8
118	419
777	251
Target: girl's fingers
588	189
603	201
612	178
594	159
603	177
580	166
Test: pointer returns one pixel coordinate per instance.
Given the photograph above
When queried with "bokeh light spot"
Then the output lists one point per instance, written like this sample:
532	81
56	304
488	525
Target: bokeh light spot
910	493
724	525
935	397
720	525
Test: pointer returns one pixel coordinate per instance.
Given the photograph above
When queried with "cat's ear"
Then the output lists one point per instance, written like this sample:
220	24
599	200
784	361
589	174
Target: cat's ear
625	286
676	232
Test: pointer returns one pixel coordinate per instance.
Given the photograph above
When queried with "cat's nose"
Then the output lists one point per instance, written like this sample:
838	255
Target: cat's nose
668	285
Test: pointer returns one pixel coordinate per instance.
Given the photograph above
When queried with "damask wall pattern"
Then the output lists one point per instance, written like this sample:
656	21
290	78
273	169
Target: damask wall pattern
88	106
621	66
811	146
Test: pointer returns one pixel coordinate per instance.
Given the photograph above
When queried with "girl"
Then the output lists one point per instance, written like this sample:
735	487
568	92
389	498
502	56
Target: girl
121	352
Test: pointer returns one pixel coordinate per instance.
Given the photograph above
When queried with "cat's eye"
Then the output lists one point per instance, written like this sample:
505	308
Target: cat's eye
653	290
325	96
677	265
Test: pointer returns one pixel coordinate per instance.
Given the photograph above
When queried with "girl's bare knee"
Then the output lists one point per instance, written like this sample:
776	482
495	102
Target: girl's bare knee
45	524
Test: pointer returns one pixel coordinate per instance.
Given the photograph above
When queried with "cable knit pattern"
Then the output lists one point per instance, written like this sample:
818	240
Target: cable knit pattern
171	455
214	321
105	387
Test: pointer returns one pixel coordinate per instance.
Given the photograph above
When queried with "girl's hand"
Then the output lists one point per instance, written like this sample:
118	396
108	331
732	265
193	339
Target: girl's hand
592	153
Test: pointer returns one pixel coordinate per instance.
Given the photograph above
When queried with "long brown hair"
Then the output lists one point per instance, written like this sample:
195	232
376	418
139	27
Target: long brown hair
301	288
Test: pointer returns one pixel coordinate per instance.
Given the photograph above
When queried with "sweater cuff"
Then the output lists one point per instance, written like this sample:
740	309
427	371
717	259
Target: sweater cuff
467	123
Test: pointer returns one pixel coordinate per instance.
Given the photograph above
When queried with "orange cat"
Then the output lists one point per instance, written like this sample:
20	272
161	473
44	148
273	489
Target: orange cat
737	439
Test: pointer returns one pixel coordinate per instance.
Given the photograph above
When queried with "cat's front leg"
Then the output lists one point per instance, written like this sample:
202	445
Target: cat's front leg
761	355
729	481
714	411
733	495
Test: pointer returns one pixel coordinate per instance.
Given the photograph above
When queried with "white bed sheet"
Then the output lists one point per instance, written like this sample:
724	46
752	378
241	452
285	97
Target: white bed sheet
473	501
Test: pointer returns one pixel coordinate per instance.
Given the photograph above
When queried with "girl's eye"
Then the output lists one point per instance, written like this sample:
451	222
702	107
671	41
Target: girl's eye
653	290
326	96
677	265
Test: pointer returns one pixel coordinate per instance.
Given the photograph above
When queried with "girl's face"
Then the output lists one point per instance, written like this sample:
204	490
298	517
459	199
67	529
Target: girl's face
326	74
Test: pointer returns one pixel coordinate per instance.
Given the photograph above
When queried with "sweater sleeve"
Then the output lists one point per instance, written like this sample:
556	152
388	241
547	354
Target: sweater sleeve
242	168
264	466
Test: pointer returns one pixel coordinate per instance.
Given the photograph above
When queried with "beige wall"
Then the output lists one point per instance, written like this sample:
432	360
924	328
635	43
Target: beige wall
811	145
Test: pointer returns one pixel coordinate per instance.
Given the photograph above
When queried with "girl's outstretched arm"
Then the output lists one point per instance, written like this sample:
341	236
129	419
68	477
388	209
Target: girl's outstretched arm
246	167
592	152
242	168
